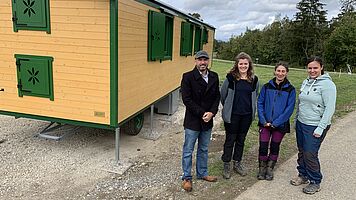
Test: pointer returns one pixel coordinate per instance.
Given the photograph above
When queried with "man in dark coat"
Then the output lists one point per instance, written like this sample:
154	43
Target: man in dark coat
200	94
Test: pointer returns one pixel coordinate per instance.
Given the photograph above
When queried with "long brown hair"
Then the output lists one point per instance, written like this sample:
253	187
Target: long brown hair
235	70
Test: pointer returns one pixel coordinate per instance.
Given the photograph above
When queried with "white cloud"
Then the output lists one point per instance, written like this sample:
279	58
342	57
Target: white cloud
231	27
211	4
231	17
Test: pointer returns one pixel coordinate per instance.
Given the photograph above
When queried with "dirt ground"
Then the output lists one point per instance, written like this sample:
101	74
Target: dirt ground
36	168
81	165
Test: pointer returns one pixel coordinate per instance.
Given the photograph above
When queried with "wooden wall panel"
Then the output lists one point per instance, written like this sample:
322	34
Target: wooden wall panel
141	82
79	43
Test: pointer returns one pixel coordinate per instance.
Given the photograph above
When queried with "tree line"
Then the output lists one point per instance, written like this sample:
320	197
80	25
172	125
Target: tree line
294	40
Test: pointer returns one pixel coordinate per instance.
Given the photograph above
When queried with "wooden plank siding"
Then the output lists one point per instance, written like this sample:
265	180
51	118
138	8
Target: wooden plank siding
80	45
141	82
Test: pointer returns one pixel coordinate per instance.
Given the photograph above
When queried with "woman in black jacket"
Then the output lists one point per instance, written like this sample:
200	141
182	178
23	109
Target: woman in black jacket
238	97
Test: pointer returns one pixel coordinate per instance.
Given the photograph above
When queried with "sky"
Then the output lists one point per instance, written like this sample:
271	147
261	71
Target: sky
232	17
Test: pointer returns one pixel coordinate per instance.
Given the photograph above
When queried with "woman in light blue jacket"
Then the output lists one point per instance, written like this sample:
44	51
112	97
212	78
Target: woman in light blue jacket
316	106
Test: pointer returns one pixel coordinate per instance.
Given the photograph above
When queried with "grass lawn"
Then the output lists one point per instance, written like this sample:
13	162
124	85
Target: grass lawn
346	101
345	83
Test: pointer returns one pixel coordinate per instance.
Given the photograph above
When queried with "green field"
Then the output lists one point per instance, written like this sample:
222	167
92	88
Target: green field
345	83
346	101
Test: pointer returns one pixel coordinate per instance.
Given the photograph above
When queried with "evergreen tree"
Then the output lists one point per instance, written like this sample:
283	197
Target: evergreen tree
347	6
309	29
307	34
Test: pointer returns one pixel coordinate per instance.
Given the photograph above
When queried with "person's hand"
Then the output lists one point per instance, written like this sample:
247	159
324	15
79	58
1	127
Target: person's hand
267	125
207	116
317	135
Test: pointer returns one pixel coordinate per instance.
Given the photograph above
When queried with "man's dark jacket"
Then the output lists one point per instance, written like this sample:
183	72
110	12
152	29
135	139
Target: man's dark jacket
199	97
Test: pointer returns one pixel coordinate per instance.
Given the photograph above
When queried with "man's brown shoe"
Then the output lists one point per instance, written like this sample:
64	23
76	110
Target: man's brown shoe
210	178
187	185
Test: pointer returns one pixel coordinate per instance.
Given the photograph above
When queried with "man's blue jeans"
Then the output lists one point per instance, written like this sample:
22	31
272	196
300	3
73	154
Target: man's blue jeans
202	153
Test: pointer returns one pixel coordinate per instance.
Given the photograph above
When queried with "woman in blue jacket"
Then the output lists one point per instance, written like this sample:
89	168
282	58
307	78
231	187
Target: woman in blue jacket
275	106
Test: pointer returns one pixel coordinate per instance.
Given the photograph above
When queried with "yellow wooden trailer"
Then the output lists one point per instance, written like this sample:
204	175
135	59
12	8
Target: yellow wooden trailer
95	63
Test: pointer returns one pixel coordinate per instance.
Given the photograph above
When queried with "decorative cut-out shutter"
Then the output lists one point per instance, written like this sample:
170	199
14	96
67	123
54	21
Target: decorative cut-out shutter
30	13
34	76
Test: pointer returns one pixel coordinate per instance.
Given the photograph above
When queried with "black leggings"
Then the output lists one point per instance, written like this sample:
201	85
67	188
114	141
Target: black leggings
236	132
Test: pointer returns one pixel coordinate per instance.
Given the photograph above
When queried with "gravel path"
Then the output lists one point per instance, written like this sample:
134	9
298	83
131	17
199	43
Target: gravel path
32	168
338	160
76	166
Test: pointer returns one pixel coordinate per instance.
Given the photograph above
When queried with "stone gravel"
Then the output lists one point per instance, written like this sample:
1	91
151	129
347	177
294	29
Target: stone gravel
75	167
337	158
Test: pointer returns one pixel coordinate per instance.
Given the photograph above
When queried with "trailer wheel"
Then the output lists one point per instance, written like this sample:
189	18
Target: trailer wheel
134	125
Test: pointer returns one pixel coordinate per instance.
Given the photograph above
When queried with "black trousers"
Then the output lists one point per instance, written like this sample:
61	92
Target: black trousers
236	132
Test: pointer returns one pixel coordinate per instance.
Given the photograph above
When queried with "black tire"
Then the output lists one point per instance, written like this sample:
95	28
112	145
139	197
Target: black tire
134	125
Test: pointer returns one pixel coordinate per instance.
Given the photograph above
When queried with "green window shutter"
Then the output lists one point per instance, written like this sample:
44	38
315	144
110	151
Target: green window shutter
190	45
168	38
156	36
183	38
34	75
197	39
186	39
205	36
31	15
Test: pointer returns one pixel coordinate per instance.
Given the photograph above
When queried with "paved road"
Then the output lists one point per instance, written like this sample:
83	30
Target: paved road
338	165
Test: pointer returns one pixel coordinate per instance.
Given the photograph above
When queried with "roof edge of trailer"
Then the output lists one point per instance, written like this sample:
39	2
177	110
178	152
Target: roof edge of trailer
174	11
